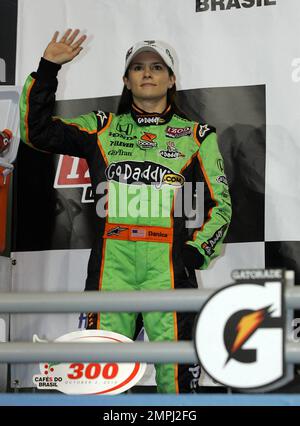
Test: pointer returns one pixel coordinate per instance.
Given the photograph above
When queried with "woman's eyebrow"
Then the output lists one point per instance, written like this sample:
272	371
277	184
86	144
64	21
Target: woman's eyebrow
152	63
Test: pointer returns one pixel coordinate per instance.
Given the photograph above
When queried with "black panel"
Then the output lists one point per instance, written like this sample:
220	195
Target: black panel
8	36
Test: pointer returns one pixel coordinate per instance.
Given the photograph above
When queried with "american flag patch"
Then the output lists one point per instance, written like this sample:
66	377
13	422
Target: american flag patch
138	233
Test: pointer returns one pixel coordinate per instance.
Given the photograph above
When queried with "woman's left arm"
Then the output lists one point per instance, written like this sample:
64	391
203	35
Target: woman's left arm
207	240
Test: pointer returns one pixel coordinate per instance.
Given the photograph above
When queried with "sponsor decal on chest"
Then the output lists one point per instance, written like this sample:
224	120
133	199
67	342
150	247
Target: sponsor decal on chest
123	131
137	172
145	120
120	152
171	151
147	141
178	132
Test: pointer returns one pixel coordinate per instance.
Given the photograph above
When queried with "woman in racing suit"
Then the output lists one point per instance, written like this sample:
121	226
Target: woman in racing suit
148	156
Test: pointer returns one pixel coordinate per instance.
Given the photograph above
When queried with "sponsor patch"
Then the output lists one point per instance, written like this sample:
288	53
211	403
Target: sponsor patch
147	141
116	231
138	233
119	152
222	179
122	144
102	117
203	129
150	119
122	136
171	151
125	128
136	172
178	132
209	245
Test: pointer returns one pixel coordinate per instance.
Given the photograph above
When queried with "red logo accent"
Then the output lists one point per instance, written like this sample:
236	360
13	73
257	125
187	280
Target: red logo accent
148	137
72	172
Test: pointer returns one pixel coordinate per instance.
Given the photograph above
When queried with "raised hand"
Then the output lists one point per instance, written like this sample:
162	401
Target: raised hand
66	49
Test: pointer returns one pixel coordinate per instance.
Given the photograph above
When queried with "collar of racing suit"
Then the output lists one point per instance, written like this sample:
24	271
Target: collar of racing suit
144	118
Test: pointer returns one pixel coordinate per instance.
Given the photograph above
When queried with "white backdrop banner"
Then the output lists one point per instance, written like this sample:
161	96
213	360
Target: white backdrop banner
239	69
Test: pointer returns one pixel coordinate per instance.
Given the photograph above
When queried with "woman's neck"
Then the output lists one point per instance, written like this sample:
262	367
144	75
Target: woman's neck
151	105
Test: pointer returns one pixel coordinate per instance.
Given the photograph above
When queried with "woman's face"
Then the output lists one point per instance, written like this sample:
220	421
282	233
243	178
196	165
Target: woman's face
148	77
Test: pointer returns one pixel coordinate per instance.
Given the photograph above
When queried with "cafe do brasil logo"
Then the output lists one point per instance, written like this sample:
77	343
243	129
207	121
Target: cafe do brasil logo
78	378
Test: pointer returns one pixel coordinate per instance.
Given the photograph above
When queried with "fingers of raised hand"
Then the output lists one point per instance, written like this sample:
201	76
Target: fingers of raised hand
72	37
79	42
65	36
69	37
55	35
66	48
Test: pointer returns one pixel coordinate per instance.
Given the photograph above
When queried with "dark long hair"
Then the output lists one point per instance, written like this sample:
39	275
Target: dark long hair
126	99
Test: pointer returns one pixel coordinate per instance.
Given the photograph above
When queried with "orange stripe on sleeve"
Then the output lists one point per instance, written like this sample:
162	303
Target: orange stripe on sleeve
90	132
99	141
195	135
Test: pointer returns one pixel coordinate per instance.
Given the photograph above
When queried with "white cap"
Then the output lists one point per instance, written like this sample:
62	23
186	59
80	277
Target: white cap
164	51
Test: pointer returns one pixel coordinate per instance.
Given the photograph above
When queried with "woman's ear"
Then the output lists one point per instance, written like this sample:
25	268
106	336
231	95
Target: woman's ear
172	81
126	82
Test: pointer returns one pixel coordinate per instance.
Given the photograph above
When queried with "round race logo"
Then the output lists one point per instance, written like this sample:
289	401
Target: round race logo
76	378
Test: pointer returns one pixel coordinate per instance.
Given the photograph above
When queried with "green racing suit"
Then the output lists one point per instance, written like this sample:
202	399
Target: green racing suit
143	160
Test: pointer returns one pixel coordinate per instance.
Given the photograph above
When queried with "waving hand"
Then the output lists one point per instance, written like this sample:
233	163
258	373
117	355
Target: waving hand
66	49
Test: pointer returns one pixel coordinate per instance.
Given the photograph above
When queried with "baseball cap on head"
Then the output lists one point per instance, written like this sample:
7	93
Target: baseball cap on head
164	51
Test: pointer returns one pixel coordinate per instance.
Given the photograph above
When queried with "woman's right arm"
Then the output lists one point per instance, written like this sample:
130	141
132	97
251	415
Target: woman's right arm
39	128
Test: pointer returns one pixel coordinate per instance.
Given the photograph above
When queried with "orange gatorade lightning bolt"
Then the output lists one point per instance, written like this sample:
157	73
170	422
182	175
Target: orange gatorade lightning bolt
246	326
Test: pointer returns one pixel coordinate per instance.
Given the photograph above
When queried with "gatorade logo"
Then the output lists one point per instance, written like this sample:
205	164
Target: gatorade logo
244	344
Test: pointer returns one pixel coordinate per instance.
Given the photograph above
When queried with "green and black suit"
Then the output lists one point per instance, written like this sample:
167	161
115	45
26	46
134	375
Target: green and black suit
148	159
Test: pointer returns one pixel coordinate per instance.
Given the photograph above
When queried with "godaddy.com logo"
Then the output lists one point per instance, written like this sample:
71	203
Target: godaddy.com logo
137	172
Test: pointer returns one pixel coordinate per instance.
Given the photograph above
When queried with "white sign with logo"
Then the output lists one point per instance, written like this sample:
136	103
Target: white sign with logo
239	335
76	378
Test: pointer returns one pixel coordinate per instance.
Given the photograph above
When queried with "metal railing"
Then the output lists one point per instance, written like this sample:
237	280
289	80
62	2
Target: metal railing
154	352
133	301
164	301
